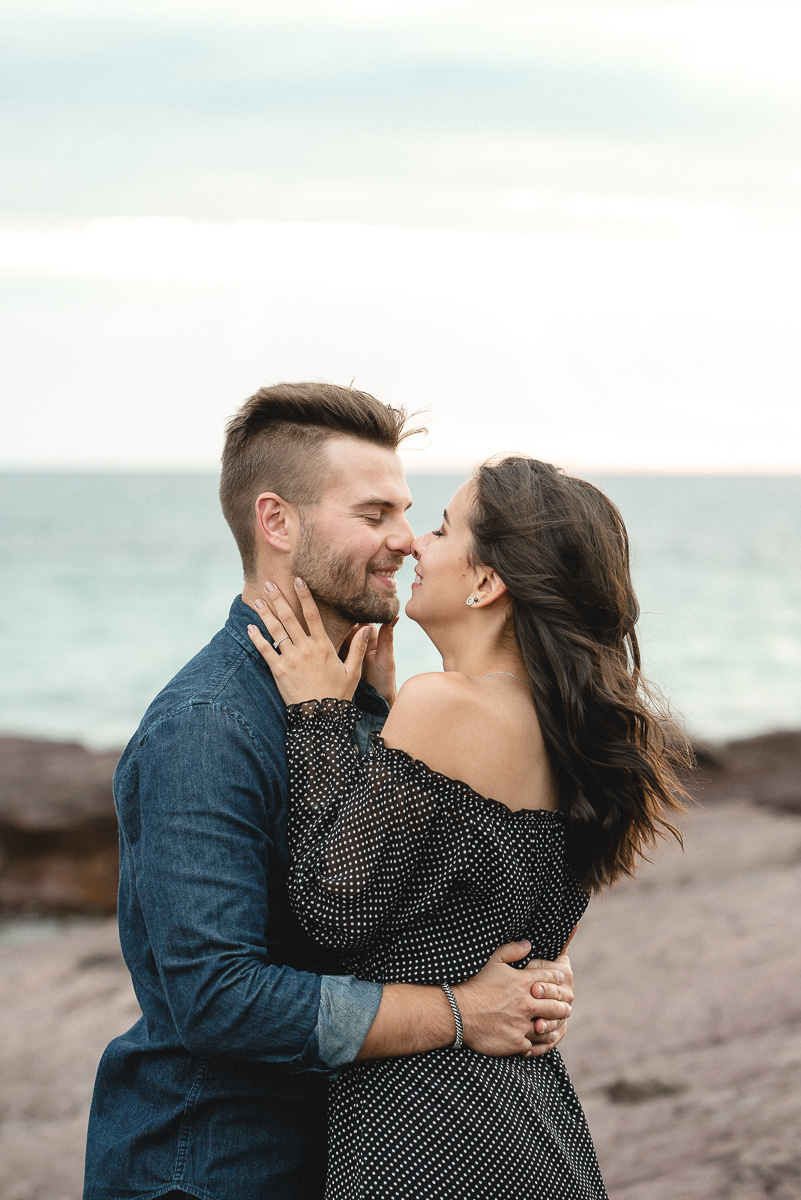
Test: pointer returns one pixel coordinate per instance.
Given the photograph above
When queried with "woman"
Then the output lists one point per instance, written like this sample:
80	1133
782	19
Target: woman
403	861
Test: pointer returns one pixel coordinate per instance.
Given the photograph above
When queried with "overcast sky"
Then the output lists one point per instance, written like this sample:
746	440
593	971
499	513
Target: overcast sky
567	228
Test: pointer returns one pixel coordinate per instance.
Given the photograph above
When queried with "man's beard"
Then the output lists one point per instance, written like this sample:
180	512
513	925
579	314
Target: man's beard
342	584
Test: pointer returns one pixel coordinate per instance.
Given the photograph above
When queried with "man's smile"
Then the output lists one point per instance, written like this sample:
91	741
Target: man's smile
385	576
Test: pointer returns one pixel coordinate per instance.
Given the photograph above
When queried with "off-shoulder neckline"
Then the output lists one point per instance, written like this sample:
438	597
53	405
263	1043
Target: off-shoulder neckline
329	706
467	791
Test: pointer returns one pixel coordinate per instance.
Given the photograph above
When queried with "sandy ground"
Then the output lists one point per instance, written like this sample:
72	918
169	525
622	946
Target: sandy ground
685	1043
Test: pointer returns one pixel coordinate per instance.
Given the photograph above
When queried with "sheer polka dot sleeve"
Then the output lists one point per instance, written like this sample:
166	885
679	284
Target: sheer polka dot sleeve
357	824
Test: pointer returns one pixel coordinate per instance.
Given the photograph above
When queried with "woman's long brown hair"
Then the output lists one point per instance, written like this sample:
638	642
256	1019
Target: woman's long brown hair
562	550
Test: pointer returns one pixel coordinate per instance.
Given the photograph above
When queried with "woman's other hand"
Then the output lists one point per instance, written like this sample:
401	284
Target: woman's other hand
378	667
306	666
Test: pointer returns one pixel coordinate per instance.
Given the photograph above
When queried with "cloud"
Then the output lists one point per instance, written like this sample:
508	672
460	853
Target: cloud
406	117
604	352
581	213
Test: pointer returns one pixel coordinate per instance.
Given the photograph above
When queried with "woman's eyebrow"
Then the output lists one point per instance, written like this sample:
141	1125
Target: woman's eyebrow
445	516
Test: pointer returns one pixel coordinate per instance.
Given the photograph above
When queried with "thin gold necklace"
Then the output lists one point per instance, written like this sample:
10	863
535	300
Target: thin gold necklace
511	676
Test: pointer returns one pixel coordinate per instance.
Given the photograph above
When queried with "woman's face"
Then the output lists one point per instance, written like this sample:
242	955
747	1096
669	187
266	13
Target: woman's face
443	575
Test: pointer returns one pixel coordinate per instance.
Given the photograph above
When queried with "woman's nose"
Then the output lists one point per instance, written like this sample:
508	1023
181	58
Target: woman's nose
418	546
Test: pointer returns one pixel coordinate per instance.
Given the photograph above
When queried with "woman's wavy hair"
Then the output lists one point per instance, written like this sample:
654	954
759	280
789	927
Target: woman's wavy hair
562	550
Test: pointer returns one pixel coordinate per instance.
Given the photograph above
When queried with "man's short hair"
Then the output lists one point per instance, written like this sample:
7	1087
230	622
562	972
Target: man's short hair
276	442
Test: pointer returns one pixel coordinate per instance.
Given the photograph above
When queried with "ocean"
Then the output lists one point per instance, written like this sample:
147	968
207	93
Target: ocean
110	582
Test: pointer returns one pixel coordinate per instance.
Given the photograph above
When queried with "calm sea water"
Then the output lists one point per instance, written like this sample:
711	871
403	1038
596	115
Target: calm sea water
109	582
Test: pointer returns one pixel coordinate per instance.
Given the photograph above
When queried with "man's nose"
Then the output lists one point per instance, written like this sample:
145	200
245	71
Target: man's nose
401	538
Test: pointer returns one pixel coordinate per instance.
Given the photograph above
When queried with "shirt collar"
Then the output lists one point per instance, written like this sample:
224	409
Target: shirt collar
240	616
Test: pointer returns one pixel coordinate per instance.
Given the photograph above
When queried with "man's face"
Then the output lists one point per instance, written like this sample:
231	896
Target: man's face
353	541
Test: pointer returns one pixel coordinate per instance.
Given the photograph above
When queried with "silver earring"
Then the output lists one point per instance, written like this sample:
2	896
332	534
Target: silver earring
471	600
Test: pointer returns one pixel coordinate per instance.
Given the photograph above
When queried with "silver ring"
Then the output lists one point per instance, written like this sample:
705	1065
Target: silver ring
285	638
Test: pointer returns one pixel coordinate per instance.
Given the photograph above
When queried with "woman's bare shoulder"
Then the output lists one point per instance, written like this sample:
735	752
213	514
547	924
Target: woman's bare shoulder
457	727
429	716
440	691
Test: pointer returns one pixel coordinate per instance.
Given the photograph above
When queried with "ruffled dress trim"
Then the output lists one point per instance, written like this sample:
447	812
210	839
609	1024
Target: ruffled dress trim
344	715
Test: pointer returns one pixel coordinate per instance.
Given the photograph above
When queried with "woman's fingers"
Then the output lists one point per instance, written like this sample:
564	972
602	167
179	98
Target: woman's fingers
274	627
358	648
311	613
283	611
307	664
265	649
386	636
372	639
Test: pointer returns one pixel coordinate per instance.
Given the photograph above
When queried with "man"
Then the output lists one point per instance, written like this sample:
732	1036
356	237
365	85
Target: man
219	1090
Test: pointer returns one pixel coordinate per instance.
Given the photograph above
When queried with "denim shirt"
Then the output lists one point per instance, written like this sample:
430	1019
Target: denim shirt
219	1090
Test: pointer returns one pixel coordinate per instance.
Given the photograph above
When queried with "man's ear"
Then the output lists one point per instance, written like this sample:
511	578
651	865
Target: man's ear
276	522
488	586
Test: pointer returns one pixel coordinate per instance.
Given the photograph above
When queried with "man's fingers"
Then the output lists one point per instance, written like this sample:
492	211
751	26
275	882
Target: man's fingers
553	1010
539	975
543	964
544	992
511	952
552	975
569	940
563	963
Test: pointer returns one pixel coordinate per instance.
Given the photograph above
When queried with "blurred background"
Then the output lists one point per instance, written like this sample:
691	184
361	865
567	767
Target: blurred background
566	228
571	229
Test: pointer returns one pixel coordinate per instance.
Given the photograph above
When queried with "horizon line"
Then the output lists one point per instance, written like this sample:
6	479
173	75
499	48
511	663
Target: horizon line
442	468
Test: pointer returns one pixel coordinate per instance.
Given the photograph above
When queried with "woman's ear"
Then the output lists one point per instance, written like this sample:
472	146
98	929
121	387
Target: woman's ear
488	586
276	522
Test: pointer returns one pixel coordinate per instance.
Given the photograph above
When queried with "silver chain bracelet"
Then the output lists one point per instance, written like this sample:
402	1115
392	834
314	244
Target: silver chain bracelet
457	1016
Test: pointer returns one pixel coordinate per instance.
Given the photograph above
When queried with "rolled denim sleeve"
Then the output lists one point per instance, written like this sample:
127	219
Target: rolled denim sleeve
200	825
347	1010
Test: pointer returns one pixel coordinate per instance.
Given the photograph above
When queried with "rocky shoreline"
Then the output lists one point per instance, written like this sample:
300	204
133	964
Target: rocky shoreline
58	829
685	1043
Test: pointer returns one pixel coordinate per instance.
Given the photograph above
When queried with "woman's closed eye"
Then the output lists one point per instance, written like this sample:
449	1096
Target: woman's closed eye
438	532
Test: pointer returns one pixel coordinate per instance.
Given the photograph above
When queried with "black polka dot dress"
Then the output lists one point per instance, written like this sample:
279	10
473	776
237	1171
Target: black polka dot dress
416	878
